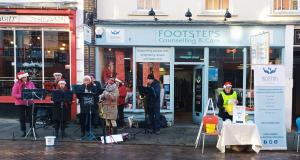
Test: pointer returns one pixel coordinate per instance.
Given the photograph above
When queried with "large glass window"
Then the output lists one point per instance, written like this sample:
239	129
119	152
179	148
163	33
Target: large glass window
31	57
148	4
216	4
161	72
285	4
118	62
29	54
6	61
57	54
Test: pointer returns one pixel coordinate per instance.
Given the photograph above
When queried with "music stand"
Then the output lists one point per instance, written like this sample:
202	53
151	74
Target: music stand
31	94
88	100
60	97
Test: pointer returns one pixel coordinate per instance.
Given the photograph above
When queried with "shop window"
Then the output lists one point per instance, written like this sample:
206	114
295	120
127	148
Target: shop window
161	72
275	56
281	5
216	4
118	63
148	4
29	54
189	55
57	54
6	62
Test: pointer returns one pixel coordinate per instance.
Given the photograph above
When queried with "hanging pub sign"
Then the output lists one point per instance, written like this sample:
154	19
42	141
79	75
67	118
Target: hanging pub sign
297	37
260	45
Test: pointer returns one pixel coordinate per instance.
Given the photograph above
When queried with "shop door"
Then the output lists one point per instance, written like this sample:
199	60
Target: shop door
197	94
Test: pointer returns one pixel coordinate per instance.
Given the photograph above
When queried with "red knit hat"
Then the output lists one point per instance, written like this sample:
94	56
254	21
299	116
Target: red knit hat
227	84
22	74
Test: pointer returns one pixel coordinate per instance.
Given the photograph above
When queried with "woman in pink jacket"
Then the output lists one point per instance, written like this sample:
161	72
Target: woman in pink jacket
22	105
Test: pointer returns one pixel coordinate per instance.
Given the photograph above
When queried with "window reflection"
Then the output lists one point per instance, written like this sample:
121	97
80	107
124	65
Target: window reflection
29	54
57	53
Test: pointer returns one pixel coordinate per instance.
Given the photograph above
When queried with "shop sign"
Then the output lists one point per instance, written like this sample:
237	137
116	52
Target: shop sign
152	54
34	19
115	35
269	75
269	113
87	33
188	36
260	45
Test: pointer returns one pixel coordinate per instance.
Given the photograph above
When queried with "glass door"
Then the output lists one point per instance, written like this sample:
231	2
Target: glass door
198	93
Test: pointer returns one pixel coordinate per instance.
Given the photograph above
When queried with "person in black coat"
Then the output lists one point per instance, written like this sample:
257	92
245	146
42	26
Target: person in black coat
98	91
61	114
153	103
86	87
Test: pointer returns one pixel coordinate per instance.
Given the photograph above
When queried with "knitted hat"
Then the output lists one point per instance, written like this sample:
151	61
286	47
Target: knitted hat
22	74
150	76
227	84
57	74
62	81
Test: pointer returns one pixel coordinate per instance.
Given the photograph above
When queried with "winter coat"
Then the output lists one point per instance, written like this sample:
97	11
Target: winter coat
110	102
122	95
153	97
17	92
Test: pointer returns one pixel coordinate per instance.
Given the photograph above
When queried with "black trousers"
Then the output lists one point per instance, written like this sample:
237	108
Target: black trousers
85	122
24	114
154	114
120	120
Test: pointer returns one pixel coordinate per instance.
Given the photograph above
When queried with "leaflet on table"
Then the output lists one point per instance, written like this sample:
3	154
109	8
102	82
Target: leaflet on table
239	114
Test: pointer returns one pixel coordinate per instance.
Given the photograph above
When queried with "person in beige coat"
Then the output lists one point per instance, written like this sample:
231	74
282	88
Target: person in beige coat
109	100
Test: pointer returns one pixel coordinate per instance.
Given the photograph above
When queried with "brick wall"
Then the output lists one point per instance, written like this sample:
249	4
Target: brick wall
89	5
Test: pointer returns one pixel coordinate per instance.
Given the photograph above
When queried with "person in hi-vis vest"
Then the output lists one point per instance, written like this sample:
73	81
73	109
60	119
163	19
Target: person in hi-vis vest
226	101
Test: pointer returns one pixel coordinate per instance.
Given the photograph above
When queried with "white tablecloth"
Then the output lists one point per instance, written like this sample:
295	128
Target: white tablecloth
239	134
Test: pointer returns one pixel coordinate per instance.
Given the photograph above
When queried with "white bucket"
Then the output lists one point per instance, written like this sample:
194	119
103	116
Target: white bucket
50	140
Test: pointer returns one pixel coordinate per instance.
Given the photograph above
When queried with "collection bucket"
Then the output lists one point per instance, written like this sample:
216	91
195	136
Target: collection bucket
50	140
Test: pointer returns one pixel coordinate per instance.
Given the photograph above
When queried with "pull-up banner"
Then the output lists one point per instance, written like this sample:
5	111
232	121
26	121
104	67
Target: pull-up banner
269	112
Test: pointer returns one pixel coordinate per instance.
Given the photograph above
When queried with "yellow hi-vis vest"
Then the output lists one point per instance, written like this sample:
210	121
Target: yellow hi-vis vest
228	107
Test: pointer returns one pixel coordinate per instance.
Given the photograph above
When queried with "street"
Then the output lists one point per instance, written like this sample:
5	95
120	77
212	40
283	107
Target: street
24	149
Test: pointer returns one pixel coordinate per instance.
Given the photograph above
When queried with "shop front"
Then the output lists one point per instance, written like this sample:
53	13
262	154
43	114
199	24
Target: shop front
191	62
39	42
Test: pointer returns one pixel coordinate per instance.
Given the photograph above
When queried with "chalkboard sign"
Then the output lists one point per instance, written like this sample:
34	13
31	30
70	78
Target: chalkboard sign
297	37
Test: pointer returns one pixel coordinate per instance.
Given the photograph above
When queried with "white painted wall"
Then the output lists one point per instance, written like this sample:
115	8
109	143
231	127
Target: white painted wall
80	42
242	10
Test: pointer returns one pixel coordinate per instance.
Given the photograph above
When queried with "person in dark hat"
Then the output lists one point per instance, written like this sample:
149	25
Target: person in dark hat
153	103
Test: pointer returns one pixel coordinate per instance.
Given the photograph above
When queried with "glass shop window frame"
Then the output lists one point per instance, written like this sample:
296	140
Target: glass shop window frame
42	30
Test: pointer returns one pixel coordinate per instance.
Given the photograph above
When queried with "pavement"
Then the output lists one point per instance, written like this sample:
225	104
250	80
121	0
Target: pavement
26	150
176	142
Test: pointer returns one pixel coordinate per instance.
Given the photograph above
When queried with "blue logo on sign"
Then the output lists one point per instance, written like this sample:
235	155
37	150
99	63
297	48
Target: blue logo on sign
115	32
269	70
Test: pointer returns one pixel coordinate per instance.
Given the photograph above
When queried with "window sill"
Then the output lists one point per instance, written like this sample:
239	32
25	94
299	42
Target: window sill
145	13
284	13
214	14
